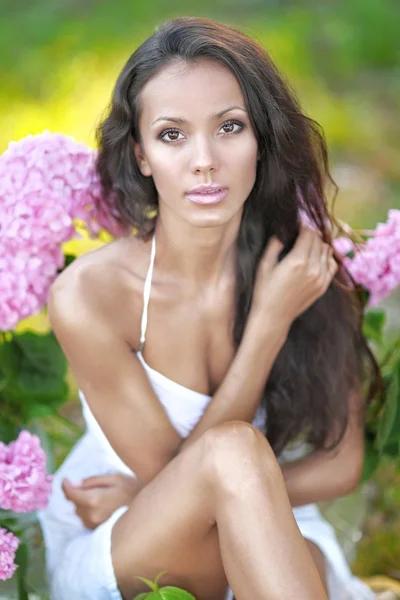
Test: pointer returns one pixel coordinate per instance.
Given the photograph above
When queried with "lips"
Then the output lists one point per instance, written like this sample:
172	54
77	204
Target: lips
212	196
207	194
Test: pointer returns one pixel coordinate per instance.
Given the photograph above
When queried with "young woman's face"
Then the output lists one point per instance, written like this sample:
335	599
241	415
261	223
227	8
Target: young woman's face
195	130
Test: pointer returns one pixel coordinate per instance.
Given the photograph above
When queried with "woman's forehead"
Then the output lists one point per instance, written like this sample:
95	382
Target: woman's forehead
184	90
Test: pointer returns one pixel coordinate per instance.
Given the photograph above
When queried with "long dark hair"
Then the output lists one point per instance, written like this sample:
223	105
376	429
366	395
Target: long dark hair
325	357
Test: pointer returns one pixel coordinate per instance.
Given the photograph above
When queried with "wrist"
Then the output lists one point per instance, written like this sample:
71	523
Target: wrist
267	325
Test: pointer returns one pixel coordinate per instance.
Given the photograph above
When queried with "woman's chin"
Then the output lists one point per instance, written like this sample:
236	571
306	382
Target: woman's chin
210	220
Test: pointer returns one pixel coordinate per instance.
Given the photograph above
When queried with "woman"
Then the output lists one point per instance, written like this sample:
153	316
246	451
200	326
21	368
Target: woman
246	320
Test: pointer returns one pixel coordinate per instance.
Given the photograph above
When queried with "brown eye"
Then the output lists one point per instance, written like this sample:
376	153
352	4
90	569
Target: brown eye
228	127
172	135
169	135
232	127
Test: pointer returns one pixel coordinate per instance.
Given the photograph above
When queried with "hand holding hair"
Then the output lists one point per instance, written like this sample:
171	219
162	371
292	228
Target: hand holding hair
288	287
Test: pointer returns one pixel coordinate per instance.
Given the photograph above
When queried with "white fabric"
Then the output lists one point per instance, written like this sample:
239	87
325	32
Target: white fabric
79	561
146	293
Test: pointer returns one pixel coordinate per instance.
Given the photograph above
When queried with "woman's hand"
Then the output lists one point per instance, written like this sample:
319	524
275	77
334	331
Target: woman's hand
96	498
287	288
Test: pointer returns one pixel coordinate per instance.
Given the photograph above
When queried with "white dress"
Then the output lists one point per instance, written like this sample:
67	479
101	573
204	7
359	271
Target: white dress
78	560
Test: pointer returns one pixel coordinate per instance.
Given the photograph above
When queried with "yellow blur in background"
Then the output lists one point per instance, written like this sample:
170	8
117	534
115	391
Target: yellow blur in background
59	62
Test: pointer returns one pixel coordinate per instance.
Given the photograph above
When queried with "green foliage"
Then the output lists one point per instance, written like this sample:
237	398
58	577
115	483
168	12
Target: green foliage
164	593
383	418
341	55
378	552
374	322
21	559
386	432
32	379
371	460
68	259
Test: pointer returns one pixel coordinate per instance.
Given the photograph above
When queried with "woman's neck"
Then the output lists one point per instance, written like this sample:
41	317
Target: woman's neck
199	256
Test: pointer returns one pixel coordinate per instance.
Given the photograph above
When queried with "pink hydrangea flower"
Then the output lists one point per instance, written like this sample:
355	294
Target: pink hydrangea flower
25	281
376	264
343	245
47	181
25	485
8	547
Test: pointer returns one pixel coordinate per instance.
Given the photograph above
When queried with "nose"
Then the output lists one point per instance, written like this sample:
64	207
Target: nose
204	156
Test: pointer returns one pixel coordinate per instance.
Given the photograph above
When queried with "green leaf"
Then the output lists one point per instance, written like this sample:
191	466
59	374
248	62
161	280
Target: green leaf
37	401
391	356
35	410
394	436
42	351
38	387
392	449
388	417
10	359
152	585
374	320
9	521
174	593
157	579
371	460
164	593
8	431
21	559
68	259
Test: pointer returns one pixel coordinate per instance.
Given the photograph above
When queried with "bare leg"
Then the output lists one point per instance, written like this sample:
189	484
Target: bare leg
219	510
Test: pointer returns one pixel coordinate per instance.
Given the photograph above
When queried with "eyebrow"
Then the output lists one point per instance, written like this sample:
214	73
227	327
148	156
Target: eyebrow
182	121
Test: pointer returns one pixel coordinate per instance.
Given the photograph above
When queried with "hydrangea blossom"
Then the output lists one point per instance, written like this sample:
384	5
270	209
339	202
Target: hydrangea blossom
25	485
25	281
46	182
8	547
376	264
343	245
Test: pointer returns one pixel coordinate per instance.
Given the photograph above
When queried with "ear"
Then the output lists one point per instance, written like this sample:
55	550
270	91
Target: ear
142	162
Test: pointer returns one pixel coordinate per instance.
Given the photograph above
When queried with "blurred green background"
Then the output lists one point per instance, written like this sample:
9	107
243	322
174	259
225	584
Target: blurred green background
59	61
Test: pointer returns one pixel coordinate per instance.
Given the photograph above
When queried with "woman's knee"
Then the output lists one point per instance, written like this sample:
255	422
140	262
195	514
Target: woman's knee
238	452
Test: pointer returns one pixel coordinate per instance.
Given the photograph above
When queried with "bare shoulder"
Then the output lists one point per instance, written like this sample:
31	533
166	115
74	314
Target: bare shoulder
100	283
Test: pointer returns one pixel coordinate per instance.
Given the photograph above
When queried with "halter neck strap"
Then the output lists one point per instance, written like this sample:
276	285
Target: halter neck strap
146	293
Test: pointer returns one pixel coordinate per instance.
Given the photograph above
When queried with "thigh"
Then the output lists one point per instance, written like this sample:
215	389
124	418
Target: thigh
319	560
170	527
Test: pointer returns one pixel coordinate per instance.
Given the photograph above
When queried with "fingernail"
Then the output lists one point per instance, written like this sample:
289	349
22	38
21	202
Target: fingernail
76	483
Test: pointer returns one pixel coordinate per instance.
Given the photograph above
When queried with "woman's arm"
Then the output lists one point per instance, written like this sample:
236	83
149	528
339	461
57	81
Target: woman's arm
83	311
283	290
116	386
319	477
239	394
323	476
